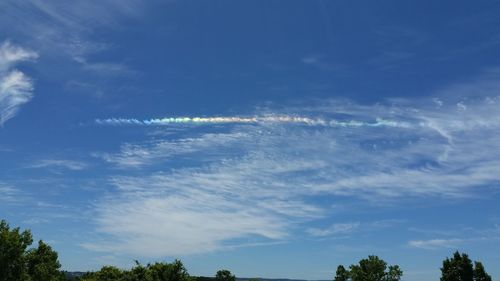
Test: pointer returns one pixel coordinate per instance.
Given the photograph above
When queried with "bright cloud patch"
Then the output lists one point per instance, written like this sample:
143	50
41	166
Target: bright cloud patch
59	163
435	243
337	228
16	88
263	181
283	119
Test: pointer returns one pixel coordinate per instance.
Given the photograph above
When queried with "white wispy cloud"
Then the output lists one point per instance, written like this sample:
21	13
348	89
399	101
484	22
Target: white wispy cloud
262	180
435	243
9	194
59	163
454	237
16	88
335	229
104	68
135	155
347	228
63	31
197	210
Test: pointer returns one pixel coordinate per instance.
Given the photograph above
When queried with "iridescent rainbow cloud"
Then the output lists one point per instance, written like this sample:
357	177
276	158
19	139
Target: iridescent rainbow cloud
251	120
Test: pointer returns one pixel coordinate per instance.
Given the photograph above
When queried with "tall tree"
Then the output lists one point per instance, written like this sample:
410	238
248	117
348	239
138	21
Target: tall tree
342	274
479	272
42	263
457	268
13	245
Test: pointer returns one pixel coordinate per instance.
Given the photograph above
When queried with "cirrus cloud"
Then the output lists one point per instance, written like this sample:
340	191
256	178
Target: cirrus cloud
212	187
16	88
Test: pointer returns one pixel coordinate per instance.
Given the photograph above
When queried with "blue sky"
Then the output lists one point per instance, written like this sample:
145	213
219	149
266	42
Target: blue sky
312	133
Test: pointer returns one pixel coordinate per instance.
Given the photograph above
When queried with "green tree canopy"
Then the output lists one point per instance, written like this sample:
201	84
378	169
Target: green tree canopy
109	273
479	272
342	274
371	269
42	263
159	271
460	268
457	268
224	275
17	263
168	271
13	245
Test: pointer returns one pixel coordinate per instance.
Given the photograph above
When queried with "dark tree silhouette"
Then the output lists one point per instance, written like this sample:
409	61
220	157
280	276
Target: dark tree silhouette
342	274
224	275
460	268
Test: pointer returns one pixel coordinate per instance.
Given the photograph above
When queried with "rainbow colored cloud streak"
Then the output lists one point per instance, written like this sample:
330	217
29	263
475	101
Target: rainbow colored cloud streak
379	122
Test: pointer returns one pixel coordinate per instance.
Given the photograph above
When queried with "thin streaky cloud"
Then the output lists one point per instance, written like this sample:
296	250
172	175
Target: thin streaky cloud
16	88
10	194
59	163
250	120
335	229
433	244
11	54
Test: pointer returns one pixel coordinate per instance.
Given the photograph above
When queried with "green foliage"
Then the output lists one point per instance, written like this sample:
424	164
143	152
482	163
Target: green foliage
42	263
19	264
342	274
109	273
138	273
13	245
152	272
394	273
479	272
371	269
168	272
459	268
224	275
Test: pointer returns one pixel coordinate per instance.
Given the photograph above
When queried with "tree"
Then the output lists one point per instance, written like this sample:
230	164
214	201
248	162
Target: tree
458	268
224	275
106	273
42	263
394	273
19	264
342	274
479	272
152	272
138	273
168	272
371	269
13	245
